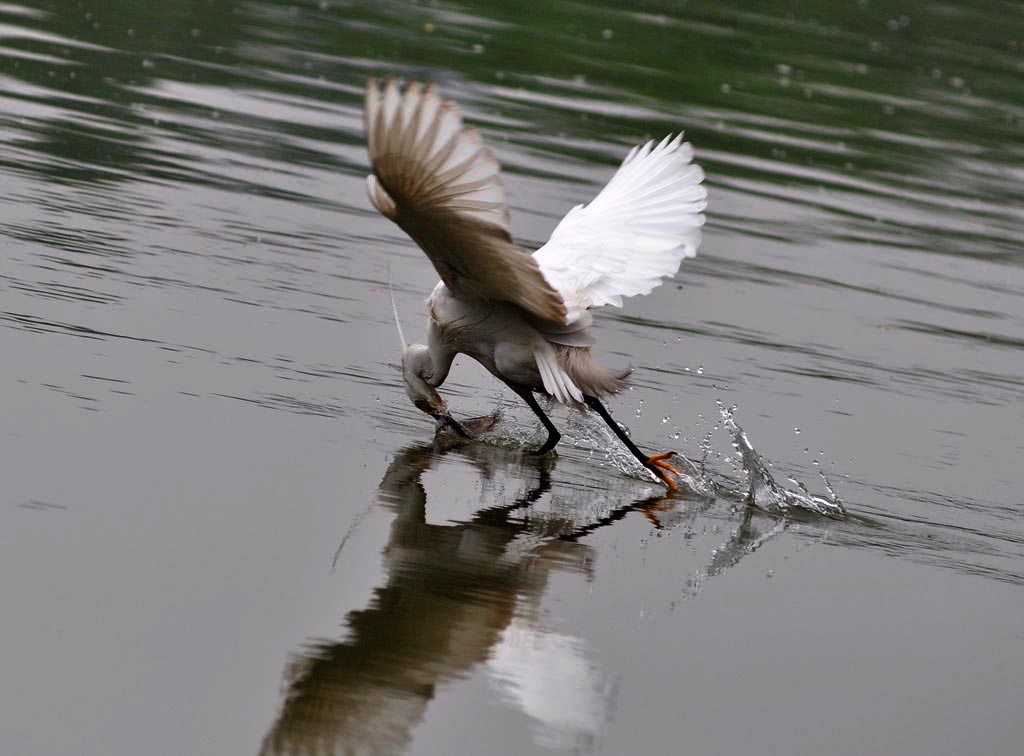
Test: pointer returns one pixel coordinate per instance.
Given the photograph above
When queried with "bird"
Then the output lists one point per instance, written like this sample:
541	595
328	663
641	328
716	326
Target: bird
526	317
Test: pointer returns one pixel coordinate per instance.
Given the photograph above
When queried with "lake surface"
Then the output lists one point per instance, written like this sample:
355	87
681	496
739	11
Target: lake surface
225	530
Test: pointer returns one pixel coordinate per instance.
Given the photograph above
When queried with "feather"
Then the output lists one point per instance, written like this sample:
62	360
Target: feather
634	233
591	378
435	178
556	381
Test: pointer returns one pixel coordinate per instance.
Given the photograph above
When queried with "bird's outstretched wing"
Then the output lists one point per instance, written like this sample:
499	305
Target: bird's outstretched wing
636	232
434	178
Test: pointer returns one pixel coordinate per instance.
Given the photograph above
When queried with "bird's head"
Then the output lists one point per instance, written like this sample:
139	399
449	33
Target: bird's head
417	371
418	377
417	374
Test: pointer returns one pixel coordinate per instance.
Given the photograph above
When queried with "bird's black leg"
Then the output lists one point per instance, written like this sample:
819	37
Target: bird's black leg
553	435
656	463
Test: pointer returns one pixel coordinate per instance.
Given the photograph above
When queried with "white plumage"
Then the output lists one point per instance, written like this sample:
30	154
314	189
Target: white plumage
555	378
525	317
635	233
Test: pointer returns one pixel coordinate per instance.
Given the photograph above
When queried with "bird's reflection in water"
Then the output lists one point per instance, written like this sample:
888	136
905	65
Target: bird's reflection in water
457	596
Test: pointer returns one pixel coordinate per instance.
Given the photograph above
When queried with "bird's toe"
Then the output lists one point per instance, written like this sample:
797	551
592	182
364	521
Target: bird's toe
662	469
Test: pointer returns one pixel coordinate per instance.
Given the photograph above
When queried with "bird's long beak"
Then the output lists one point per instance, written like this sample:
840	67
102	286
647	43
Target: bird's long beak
445	419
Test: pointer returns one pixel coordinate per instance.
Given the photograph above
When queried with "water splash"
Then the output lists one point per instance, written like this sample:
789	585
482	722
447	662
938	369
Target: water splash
764	492
588	433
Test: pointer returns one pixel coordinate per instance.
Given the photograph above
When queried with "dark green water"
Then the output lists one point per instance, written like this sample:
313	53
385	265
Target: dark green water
200	404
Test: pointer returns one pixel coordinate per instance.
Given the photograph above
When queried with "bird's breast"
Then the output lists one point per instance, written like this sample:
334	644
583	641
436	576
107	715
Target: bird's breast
476	327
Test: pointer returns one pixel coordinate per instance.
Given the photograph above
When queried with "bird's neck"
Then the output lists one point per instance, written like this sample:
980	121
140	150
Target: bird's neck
441	359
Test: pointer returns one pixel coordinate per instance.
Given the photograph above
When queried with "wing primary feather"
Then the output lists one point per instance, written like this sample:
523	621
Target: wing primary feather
370	102
435	178
633	234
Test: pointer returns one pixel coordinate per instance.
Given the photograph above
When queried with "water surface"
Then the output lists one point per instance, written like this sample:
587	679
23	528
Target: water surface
200	402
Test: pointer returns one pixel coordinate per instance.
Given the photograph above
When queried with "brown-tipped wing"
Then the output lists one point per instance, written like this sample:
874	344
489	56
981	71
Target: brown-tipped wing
435	178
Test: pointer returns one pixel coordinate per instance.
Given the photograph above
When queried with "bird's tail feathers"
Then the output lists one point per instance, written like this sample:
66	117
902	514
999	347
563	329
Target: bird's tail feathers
593	379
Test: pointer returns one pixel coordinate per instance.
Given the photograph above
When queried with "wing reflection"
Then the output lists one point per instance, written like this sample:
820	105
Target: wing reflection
459	596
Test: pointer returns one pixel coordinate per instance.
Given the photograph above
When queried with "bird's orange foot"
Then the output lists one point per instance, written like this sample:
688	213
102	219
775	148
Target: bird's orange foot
660	467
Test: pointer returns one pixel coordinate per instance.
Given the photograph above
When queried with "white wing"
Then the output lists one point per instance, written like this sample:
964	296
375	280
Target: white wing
636	232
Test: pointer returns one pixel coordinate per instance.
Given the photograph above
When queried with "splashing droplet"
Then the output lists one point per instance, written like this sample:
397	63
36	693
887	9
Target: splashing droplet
766	494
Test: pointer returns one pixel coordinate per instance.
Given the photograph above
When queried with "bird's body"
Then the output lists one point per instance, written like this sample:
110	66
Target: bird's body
502	338
495	334
526	317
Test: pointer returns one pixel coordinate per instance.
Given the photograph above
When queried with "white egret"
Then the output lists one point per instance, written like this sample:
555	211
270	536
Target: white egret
525	317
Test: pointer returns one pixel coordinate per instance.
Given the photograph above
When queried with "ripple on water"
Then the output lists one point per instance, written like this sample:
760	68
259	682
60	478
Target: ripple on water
184	224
